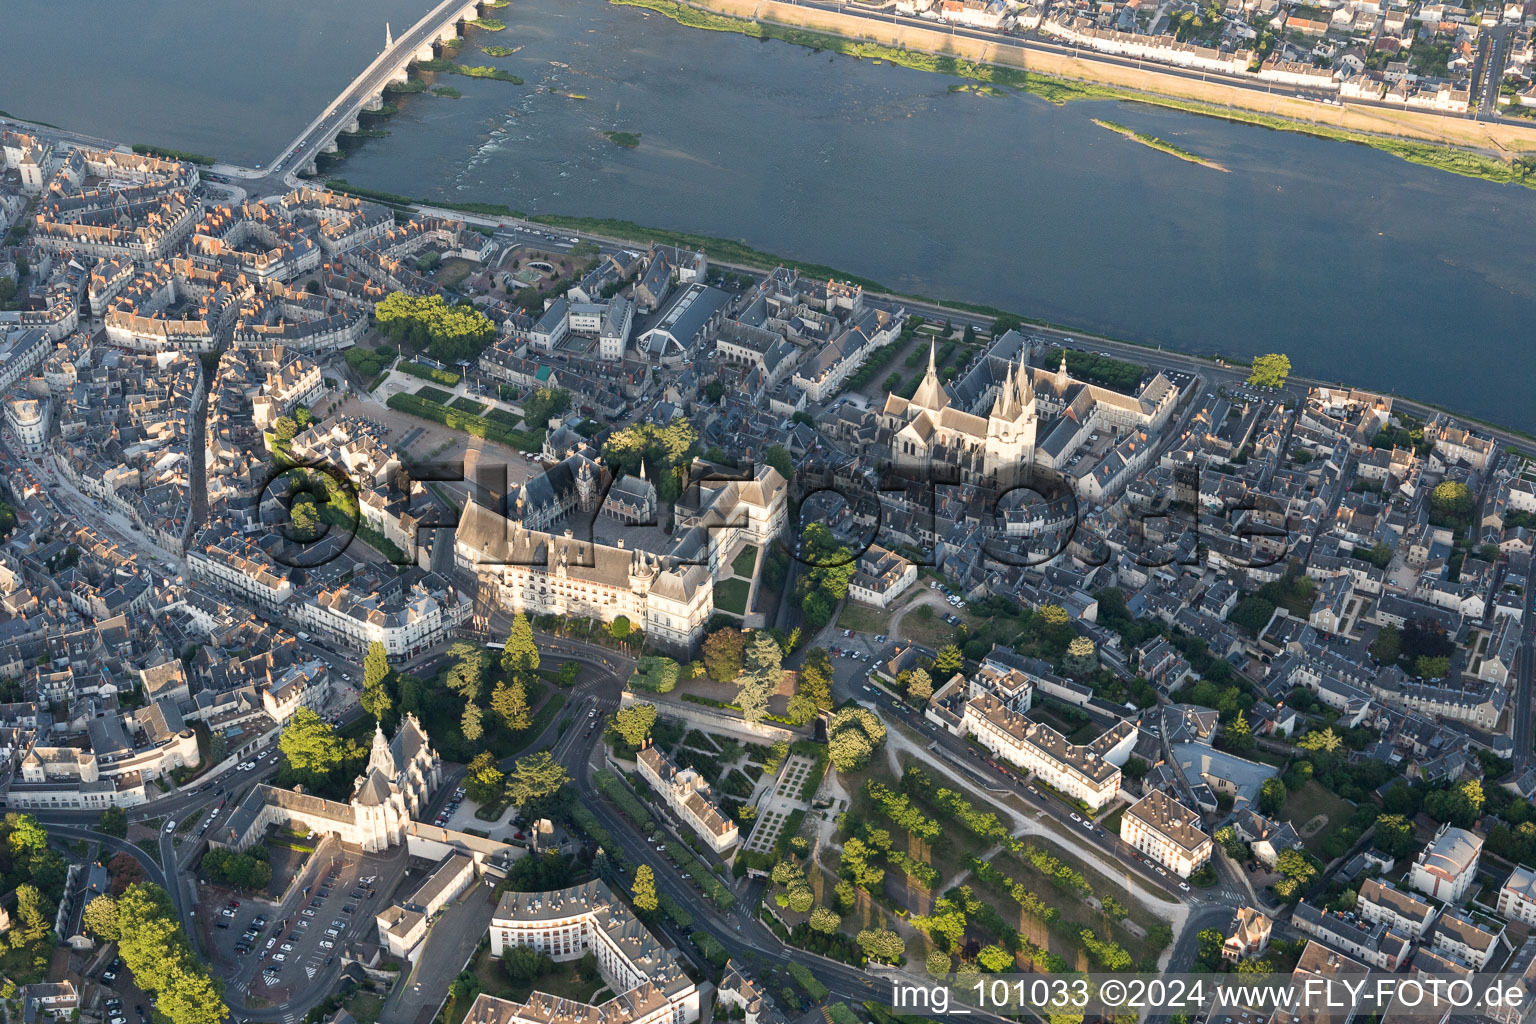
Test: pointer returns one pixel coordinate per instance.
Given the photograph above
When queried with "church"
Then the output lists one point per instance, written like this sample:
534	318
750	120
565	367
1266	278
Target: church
1034	417
401	776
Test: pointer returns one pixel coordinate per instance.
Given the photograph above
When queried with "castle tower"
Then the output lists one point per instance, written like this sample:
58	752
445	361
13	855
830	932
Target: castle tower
586	486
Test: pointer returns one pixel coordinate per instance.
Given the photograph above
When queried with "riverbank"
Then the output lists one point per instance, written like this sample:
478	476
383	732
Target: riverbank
1456	145
1161	145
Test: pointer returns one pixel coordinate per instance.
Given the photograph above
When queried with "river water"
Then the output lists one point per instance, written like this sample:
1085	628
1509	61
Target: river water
1360	266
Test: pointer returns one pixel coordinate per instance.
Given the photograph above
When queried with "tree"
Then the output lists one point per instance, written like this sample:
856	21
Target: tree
1387	645
824	921
1325	742
114	822
919	686
1240	734
1270	371
375	699
634	723
800	709
1394	835
995	959
536	778
310	746
1082	657
484	781
521	654
100	918
1432	666
1450	503
799	898
523	964
723	654
1226	837
778	457
881	944
467	676
815	679
761	674
545	404
830	565
857	864
1208	950
619	627
1272	796
449	333
510	704
1459	805
947	662
939	963
852	736
644	891
471	725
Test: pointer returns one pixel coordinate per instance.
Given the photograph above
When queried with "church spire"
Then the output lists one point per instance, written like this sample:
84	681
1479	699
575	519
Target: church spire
930	393
1026	385
381	757
1003	408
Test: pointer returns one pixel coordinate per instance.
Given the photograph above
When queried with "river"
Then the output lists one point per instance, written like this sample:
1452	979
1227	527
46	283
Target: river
1360	266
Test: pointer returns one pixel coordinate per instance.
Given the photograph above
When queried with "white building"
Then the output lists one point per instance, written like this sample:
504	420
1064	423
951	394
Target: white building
1089	773
687	794
649	986
1447	867
1168	832
1517	897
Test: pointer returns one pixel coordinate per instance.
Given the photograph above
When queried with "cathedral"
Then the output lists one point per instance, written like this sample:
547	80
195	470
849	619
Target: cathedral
930	428
1034	417
401	776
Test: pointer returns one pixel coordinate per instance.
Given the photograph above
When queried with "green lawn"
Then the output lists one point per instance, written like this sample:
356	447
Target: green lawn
861	618
1308	802
731	596
433	394
743	563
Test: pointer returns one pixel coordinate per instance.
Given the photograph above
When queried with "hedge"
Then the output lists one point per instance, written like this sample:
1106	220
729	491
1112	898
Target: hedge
431	373
695	869
456	419
610	786
813	988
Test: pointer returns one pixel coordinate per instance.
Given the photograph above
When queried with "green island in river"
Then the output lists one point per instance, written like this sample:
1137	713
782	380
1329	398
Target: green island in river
1161	145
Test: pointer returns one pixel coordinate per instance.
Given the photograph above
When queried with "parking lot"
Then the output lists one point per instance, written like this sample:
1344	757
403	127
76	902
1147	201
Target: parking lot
450	809
273	951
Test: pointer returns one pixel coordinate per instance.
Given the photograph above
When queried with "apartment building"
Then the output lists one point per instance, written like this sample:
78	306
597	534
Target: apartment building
649	986
1517	896
1168	832
1090	773
1380	903
1446	868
